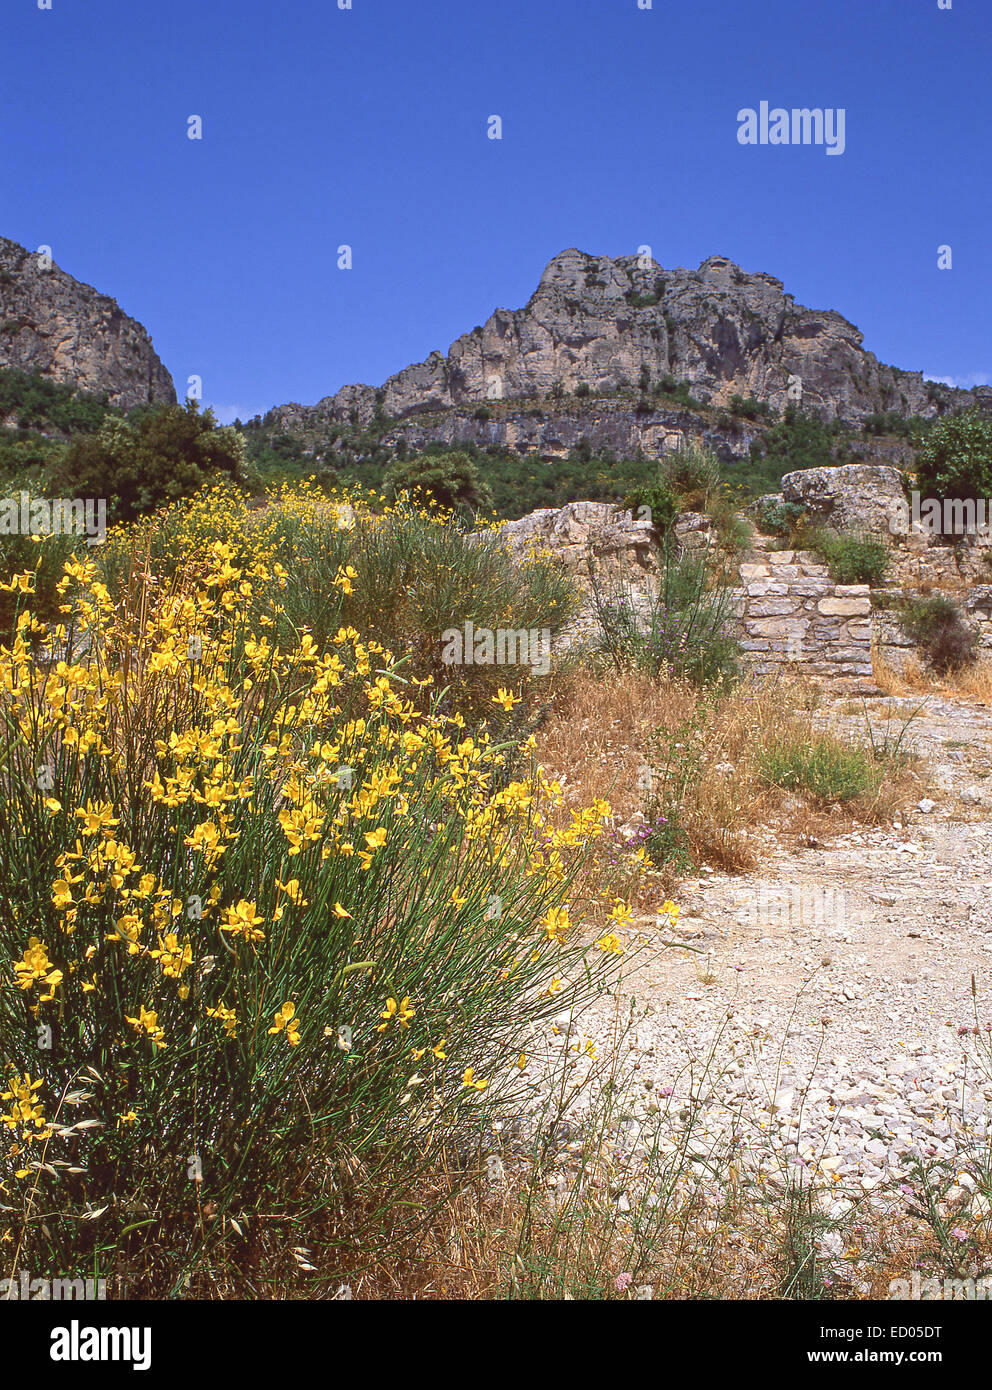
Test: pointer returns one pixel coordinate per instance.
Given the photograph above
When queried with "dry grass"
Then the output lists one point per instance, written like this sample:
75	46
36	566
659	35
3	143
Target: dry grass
507	1240
601	737
970	683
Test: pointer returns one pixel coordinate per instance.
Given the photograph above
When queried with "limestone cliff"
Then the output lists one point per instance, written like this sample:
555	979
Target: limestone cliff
53	324
610	324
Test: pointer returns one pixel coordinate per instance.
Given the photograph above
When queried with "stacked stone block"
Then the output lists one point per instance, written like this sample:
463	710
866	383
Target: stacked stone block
793	616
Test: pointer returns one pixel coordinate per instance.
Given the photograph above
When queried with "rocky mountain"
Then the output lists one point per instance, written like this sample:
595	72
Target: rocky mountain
53	324
603	325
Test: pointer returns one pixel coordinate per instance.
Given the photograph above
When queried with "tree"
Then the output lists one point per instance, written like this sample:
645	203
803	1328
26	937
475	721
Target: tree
449	479
156	456
955	459
798	440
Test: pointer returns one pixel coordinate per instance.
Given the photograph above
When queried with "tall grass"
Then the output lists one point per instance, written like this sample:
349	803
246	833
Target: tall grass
825	770
686	765
681	627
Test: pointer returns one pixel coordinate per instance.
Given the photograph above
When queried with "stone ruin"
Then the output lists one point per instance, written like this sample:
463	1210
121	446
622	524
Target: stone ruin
790	614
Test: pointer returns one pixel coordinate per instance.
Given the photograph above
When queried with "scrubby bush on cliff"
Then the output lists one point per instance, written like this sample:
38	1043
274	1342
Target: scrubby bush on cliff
893	422
799	440
36	402
750	408
671	389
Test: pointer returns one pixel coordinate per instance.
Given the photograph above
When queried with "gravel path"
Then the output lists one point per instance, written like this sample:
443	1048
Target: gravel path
831	988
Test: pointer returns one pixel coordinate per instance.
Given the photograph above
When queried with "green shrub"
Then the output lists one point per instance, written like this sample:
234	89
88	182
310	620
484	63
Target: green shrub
750	408
955	459
853	559
799	440
449	479
689	479
893	422
657	505
676	753
39	403
821	768
27	460
680	391
733	530
683	629
667	843
692	472
779	518
636	300
937	626
521	483
155	457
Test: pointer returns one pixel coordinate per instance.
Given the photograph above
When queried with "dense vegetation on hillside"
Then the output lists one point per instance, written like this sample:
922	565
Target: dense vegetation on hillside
520	483
67	443
53	436
40	416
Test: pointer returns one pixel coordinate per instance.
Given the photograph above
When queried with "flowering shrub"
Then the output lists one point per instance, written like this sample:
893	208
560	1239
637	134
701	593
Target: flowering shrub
400	574
272	924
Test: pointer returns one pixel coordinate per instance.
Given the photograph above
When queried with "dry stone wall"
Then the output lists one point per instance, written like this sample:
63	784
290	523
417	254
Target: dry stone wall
789	611
793	615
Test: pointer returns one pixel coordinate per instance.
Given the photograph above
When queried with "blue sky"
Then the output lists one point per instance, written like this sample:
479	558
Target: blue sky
367	126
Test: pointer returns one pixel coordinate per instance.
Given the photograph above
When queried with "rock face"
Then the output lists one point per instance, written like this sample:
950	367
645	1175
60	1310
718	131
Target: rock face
69	332
552	432
851	497
868	500
602	540
612	323
583	531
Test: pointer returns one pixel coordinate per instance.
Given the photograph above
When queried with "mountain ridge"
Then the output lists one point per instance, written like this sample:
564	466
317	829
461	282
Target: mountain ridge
609	324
